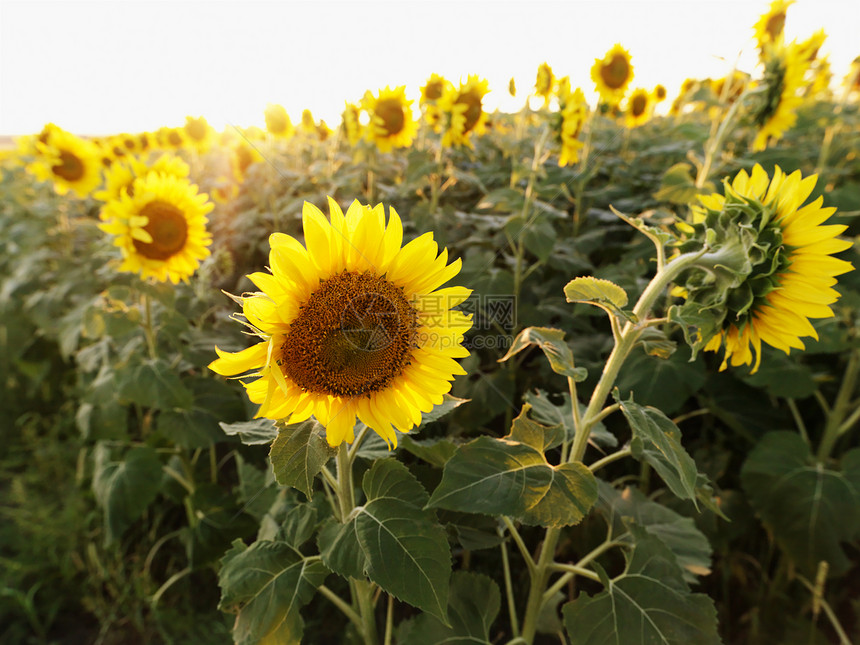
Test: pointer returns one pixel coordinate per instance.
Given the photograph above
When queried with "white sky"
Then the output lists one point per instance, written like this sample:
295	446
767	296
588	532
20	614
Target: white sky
129	65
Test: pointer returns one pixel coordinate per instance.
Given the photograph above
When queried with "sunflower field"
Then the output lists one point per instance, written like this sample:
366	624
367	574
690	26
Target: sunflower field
584	373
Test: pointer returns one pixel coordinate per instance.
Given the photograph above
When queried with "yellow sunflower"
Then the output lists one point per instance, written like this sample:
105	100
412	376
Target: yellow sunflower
170	138
432	91
71	163
544	82
638	108
198	133
160	228
659	93
852	79
463	110
278	121
308	124
769	27
120	176
512	87
789	275
352	325
391	122
243	155
351	123
776	112
612	74
573	110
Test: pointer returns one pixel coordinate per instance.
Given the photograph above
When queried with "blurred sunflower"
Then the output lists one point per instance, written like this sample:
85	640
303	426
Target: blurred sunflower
351	324
769	27
775	112
432	91
544	82
659	93
638	108
170	138
612	74
512	87
787	270
119	178
71	163
308	124
852	79
573	110
198	133
243	154
463	110
391	122
351	123
278	121
323	131
160	228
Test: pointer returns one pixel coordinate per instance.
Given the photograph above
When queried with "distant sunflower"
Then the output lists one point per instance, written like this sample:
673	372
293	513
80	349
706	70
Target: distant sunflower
119	178
638	109
659	93
170	138
463	110
308	124
431	92
790	273
769	27
278	121
852	79
352	325
71	163
244	154
776	112
544	82
391	122
198	133
512	87
612	74
323	131
351	123
573	110
161	228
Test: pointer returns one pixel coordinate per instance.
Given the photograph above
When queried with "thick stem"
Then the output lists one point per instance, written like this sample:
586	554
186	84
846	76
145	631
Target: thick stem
539	579
841	407
148	328
715	144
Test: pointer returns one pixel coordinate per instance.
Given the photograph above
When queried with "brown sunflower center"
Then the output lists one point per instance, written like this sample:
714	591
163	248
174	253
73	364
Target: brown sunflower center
196	129
433	90
70	168
474	106
638	107
167	226
244	158
391	113
174	138
775	25
353	336
616	72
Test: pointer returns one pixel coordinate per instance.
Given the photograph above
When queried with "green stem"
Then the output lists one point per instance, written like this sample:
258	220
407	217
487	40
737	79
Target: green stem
509	589
436	182
840	407
148	328
539	578
828	610
338	602
608	459
714	144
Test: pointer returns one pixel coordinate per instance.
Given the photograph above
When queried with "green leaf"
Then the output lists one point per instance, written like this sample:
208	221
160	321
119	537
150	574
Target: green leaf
298	454
124	489
657	440
154	384
473	605
448	405
784	376
551	341
547	412
810	508
600	293
189	428
533	434
265	585
505	477
252	433
218	520
665	383
433	451
648	603
679	187
393	540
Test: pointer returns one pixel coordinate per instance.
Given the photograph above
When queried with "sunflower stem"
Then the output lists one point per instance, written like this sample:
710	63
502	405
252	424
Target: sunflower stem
714	144
509	588
841	406
148	328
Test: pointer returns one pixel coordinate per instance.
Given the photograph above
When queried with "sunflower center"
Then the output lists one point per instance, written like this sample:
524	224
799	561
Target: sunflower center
639	103
196	129
70	168
474	106
167	227
433	91
174	138
391	113
353	336
615	73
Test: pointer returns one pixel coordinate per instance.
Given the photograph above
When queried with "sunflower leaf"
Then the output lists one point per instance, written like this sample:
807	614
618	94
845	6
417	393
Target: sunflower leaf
600	293
298	454
265	585
551	341
810	507
252	433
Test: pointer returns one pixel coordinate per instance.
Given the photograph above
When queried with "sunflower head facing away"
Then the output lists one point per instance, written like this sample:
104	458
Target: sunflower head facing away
776	110
544	82
351	325
278	121
612	74
769	27
351	123
573	110
463	111
391	122
71	163
160	227
770	268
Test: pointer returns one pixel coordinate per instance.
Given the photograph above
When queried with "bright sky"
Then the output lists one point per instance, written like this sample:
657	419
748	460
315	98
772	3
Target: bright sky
129	66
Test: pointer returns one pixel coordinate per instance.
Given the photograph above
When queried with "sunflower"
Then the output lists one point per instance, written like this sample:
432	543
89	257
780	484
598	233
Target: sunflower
243	155
120	176
544	82
308	124
71	163
787	273
391	123
638	109
852	79
464	111
573	111
612	74
278	121
352	325
160	228
433	90
775	113
769	27
198	133
659	93
170	138
351	123
512	87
